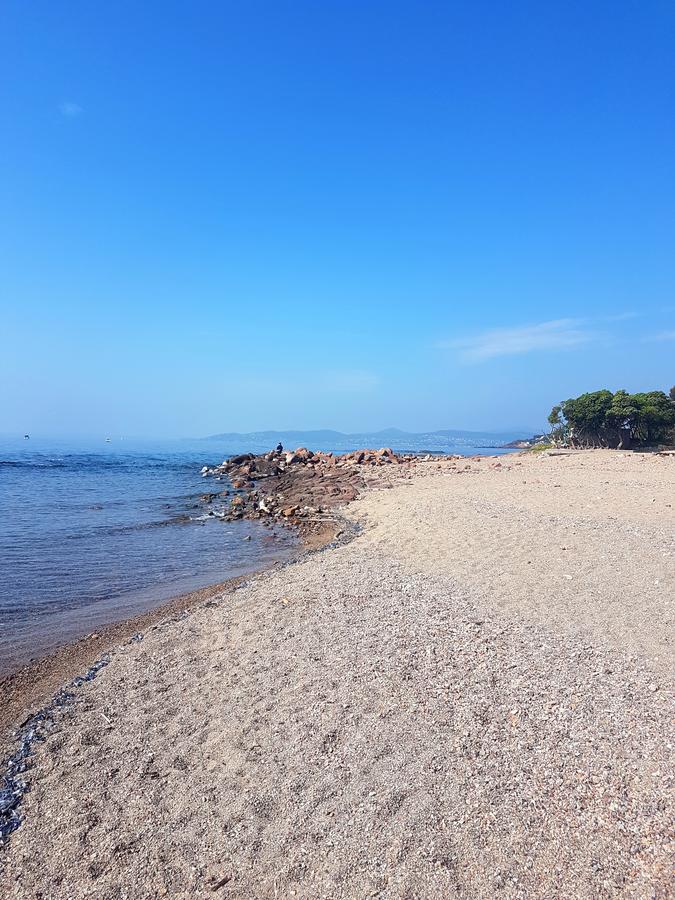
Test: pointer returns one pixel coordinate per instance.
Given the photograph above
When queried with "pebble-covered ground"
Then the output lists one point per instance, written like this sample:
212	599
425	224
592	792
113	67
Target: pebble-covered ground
434	710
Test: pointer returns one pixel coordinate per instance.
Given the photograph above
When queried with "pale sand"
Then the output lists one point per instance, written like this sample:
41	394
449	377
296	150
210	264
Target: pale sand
471	699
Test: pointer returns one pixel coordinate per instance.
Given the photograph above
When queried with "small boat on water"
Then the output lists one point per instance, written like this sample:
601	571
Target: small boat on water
108	440
26	437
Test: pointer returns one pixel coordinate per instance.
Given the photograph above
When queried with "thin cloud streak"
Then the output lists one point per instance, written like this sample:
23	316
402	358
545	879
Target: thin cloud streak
620	317
70	110
660	336
558	334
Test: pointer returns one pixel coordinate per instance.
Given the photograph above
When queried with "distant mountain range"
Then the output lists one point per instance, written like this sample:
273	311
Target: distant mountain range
328	439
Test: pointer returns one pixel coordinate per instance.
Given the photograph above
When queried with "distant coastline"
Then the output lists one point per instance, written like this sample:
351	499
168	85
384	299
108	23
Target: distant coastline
440	441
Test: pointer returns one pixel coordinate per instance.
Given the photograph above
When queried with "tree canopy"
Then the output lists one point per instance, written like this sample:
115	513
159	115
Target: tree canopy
604	419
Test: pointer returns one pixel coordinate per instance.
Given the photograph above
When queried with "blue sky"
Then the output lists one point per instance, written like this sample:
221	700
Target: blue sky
233	216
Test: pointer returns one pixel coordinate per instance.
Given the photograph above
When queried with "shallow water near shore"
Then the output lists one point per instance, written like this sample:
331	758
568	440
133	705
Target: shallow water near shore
95	534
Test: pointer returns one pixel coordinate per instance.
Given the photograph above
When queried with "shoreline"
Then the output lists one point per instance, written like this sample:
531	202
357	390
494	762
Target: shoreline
27	689
32	684
293	475
465	697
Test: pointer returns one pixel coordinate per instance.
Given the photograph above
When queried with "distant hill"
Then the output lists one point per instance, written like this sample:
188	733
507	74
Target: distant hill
276	436
445	440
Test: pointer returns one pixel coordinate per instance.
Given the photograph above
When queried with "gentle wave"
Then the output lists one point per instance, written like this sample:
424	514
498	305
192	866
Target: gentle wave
93	464
87	538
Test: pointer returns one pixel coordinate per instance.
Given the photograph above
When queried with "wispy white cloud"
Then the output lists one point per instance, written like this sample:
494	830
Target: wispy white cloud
70	110
620	317
559	334
660	336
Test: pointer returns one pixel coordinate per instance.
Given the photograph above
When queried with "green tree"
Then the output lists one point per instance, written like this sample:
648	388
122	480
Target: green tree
621	416
554	416
603	419
558	429
586	418
655	416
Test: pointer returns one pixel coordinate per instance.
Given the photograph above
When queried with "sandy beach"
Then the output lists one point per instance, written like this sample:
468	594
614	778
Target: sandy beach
471	698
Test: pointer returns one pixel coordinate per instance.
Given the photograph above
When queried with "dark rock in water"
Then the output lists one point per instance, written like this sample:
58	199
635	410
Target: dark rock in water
242	458
182	519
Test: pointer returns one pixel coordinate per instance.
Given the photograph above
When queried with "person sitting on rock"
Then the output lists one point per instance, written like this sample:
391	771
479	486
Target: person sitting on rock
280	447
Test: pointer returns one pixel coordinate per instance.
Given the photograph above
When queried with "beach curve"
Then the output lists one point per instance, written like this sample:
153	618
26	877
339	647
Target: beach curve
433	709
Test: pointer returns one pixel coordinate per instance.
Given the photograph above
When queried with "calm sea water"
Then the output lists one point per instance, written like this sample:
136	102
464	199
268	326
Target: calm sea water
94	534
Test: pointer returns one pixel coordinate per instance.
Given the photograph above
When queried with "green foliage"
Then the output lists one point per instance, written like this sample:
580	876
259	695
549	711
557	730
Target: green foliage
622	411
603	419
554	416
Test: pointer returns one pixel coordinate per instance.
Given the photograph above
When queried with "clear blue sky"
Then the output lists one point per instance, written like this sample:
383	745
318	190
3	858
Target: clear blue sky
234	216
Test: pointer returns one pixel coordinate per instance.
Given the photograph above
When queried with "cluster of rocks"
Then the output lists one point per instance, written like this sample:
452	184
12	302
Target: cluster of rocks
296	487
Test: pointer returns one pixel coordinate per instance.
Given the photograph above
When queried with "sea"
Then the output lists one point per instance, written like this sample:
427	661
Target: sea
92	533
97	531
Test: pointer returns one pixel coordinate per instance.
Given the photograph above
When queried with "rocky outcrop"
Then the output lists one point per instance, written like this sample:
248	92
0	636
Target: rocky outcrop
296	487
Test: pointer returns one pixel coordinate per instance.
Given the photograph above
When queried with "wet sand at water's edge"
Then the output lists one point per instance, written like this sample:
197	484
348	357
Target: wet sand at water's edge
471	698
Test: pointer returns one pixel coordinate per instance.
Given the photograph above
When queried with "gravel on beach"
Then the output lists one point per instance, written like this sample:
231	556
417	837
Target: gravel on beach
470	699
